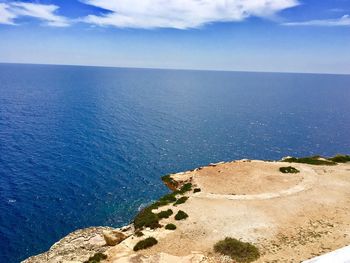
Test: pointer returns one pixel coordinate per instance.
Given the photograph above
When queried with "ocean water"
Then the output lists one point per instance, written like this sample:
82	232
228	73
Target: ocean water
84	146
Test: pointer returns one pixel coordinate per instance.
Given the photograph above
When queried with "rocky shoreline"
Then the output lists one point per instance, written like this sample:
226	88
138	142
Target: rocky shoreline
279	207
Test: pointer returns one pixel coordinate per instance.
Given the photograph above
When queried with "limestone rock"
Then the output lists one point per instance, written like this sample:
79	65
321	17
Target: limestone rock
76	247
113	237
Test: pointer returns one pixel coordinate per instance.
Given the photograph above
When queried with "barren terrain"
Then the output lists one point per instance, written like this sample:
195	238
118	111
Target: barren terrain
289	217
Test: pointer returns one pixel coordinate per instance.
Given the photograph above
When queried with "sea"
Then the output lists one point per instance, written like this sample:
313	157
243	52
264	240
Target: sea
86	146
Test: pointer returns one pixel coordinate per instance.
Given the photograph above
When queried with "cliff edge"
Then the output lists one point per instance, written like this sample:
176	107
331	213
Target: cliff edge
281	211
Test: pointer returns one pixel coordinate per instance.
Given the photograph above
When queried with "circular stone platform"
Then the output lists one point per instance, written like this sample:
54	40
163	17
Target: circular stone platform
246	178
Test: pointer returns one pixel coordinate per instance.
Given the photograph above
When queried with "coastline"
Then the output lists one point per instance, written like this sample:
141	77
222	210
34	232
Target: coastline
251	200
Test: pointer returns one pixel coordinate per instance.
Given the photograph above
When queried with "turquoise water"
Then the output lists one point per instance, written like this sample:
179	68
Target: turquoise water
83	146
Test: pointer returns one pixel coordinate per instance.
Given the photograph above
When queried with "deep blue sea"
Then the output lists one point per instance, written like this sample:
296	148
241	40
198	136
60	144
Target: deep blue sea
84	146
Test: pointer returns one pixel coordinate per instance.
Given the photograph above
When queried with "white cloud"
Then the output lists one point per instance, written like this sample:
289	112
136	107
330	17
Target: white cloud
10	12
181	14
343	21
6	16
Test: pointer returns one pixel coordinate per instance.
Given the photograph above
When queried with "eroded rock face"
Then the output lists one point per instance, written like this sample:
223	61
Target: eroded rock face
77	247
113	237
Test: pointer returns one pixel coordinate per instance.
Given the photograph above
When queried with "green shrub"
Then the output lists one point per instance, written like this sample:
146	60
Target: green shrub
196	190
170	227
181	215
138	233
181	200
170	182
170	198
96	258
146	218
237	250
185	188
314	160
165	200
158	204
340	158
146	243
289	169
165	214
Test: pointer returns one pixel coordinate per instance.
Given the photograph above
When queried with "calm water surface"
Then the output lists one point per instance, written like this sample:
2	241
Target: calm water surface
83	146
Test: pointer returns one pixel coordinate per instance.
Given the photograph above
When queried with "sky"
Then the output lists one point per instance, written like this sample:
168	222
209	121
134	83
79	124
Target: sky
239	35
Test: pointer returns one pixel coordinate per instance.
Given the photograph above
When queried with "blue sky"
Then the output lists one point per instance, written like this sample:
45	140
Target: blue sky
245	35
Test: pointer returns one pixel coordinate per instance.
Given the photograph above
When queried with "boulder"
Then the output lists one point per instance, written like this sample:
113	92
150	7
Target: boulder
113	237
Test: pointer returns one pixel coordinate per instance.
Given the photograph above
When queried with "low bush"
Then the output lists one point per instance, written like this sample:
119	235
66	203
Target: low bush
314	160
170	227
138	233
237	250
164	200
196	190
340	158
289	169
181	215
185	188
170	198
181	200
170	182
96	258
146	243
165	214
146	218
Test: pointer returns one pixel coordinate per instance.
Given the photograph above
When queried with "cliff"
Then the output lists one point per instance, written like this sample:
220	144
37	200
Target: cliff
285	211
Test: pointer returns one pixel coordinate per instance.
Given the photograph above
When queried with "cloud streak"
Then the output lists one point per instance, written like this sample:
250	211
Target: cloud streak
6	16
181	14
12	11
343	21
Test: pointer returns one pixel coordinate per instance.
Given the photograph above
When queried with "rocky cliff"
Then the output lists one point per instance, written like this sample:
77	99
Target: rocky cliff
288	210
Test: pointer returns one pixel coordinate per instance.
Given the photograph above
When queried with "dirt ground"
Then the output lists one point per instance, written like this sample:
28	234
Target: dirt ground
289	217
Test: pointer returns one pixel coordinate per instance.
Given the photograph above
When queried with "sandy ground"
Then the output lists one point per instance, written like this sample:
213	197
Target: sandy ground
290	217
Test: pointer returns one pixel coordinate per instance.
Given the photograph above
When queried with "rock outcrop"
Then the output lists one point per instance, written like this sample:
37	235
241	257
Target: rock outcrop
289	217
113	237
77	247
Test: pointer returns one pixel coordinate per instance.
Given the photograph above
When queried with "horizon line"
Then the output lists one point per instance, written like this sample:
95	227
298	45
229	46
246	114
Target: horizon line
174	69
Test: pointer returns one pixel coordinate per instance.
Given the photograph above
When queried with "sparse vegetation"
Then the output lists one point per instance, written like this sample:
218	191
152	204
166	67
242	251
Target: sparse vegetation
340	158
196	190
185	188
96	258
170	182
289	169
146	243
171	197
314	160
181	215
181	200
165	200
237	250
170	227
165	214
138	233
146	218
